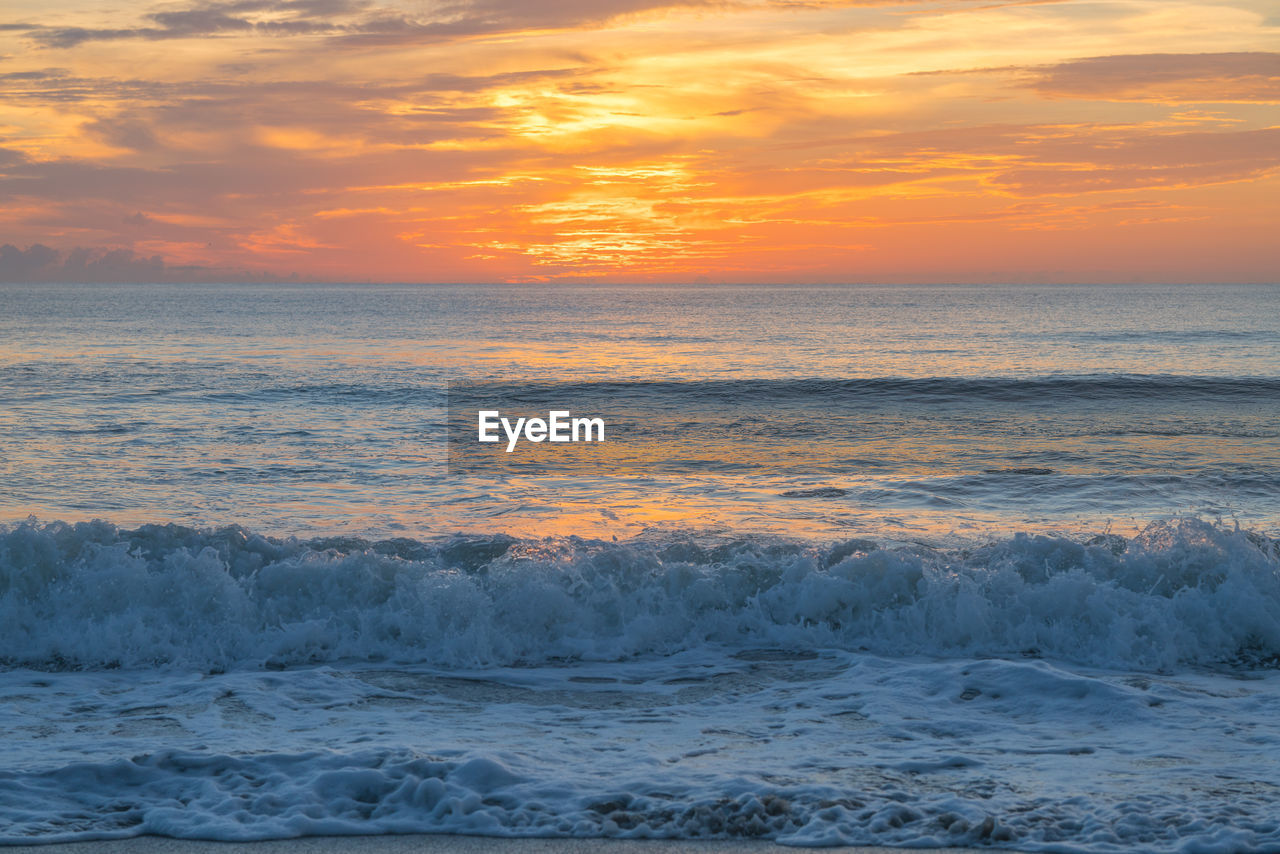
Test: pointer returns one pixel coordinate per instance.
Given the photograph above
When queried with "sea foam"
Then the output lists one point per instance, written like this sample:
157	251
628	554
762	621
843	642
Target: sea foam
93	595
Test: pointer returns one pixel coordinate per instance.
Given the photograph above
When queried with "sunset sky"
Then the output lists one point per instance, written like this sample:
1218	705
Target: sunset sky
637	140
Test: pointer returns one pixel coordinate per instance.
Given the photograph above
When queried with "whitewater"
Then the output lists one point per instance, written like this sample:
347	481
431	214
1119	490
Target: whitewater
1036	692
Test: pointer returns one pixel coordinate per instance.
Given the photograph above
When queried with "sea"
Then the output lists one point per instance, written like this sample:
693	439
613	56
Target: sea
975	566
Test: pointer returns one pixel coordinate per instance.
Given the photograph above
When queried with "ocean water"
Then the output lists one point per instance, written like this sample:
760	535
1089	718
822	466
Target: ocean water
977	566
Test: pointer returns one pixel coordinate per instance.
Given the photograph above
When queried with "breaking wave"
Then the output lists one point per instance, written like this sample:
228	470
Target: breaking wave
92	595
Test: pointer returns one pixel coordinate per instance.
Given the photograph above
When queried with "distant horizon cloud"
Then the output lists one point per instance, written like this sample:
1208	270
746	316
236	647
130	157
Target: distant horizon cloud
40	264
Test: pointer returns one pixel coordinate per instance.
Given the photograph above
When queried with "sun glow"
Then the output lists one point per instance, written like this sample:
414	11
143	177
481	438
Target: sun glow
760	141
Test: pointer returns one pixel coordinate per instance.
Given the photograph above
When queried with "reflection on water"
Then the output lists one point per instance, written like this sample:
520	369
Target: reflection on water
321	409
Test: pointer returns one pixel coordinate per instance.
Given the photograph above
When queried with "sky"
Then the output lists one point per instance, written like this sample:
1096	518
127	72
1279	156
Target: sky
640	141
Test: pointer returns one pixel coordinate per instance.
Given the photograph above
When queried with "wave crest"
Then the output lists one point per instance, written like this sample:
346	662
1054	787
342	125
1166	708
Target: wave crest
92	595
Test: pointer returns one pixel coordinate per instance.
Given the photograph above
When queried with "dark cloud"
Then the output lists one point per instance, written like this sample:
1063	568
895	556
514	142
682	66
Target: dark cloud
56	85
148	112
22	265
43	264
39	263
238	183
199	22
1031	160
1166	77
355	22
479	17
476	19
275	102
72	36
1125	160
231	17
42	74
123	132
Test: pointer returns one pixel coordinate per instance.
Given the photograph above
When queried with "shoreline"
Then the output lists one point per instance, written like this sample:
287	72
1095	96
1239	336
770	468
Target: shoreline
438	843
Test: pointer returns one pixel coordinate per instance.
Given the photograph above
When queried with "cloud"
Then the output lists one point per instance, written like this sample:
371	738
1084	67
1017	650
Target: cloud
606	137
230	17
482	17
39	264
1019	160
42	74
360	23
1119	159
357	21
1166	78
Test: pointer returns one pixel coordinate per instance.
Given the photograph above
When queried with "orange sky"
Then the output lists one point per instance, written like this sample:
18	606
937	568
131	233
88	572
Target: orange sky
640	140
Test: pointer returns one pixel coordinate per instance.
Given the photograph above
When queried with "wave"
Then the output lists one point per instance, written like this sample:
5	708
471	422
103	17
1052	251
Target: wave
91	595
228	798
1055	388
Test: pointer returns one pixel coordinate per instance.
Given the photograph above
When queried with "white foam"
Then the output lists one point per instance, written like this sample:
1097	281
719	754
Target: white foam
1036	693
92	595
808	748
